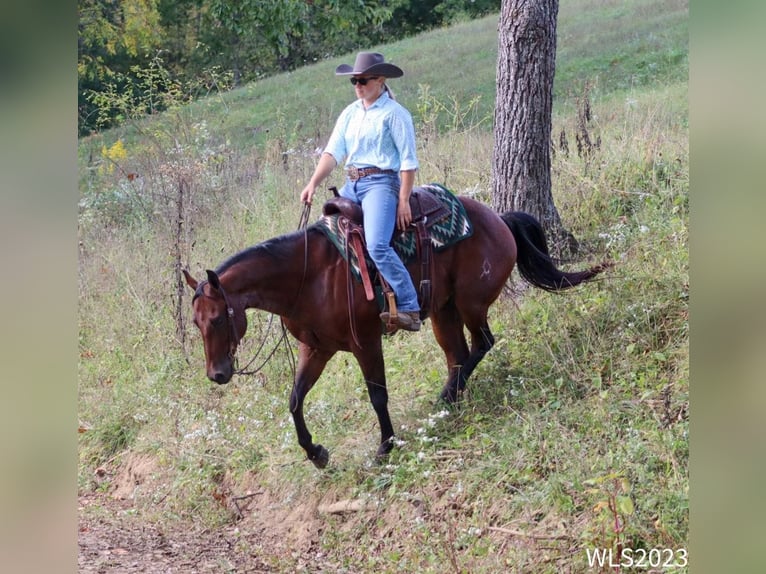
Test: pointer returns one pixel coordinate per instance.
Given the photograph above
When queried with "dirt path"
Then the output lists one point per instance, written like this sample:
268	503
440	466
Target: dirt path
114	538
121	531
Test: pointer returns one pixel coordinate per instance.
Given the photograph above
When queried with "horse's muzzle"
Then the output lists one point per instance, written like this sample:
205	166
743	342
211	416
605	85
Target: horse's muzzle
221	375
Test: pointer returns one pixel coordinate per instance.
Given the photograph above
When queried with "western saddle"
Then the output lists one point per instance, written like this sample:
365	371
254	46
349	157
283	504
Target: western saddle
427	209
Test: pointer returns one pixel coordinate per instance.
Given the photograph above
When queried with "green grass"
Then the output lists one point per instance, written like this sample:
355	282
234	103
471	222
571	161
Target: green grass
577	418
622	46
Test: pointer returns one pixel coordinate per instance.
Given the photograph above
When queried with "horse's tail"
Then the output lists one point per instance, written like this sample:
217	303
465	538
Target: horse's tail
533	259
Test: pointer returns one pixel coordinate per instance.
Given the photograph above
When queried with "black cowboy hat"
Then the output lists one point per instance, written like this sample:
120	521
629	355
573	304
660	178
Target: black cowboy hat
369	63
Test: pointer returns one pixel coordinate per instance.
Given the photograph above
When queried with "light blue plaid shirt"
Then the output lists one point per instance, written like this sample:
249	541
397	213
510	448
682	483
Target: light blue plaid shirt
382	136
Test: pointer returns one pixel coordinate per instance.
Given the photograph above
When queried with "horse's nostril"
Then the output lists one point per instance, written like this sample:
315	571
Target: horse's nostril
220	378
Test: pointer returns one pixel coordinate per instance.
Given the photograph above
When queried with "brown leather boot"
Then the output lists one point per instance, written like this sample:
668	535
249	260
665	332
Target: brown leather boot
407	320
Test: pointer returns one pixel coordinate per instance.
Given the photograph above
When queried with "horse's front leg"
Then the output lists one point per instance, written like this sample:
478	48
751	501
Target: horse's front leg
311	363
370	360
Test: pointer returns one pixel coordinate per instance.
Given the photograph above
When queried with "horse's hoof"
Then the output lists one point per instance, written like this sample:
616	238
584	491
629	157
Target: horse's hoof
448	398
384	450
321	458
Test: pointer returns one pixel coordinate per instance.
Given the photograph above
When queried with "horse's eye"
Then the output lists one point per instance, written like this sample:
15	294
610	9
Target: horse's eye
218	321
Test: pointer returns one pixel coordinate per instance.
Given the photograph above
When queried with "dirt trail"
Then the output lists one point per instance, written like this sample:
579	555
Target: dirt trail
116	533
115	538
120	542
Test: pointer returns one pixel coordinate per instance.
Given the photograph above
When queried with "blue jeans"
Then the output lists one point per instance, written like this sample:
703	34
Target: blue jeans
378	195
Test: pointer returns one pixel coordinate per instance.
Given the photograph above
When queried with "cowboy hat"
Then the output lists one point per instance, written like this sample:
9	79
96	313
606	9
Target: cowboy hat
370	63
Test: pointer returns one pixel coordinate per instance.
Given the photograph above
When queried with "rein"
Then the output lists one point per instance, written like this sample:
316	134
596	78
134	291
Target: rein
282	339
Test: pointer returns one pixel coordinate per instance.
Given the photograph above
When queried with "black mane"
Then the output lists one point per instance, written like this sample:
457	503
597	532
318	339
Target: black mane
277	248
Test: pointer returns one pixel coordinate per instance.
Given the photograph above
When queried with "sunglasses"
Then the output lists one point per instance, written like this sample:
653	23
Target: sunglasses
361	81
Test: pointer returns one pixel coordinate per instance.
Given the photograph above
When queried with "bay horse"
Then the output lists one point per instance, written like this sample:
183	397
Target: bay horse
303	278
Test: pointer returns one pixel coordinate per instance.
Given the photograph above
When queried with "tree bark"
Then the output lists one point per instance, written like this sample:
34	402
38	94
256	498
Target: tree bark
521	164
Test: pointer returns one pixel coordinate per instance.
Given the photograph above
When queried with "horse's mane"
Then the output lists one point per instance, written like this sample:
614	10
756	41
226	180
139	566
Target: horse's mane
277	248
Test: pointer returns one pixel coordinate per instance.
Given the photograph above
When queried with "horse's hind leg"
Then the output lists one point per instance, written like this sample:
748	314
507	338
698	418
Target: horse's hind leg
482	340
462	362
311	363
448	330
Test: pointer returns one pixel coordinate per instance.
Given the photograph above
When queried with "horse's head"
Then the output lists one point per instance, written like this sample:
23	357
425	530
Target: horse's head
221	323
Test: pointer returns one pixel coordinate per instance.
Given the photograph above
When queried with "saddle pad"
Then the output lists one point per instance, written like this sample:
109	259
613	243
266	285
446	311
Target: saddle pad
446	231
443	233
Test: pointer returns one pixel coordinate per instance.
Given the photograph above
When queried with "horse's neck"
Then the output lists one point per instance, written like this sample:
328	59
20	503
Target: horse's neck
264	281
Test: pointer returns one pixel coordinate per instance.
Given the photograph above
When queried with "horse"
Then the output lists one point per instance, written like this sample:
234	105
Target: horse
303	278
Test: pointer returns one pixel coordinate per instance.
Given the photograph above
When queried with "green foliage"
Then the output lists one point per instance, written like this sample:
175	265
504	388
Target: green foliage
113	37
414	17
246	39
574	430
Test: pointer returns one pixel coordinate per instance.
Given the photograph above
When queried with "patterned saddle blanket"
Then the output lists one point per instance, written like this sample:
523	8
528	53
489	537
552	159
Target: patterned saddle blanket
446	220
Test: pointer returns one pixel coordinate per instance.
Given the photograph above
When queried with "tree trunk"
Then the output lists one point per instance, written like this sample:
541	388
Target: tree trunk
521	164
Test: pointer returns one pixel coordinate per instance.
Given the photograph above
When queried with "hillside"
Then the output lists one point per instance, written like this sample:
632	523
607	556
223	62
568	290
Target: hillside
573	436
614	47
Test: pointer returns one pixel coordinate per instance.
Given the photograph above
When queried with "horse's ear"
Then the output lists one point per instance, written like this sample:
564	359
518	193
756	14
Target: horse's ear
212	278
190	281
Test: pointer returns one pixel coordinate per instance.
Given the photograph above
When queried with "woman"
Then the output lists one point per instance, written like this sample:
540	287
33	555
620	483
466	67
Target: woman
376	136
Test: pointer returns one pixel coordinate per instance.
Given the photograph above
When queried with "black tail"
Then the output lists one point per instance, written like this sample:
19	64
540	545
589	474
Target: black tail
533	260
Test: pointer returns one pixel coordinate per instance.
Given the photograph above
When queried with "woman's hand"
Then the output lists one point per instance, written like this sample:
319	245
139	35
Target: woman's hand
403	211
325	166
403	215
308	193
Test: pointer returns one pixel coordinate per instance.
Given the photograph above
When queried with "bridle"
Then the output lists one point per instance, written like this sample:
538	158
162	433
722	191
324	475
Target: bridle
231	327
